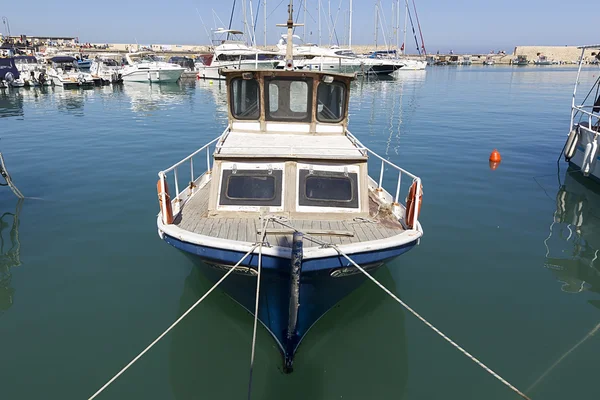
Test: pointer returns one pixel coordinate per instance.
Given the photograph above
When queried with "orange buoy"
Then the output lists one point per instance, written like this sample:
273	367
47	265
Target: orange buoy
495	156
410	205
164	200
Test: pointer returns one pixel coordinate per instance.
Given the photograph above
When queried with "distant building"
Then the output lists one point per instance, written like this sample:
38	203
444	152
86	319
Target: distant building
41	40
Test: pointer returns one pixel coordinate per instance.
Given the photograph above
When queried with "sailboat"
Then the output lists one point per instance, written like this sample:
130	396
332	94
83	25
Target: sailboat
286	200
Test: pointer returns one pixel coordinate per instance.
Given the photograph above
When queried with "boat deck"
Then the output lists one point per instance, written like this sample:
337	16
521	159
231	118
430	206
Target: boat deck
194	218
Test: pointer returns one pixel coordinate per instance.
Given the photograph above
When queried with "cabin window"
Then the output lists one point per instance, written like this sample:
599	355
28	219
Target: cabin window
251	188
245	99
288	99
328	189
331	99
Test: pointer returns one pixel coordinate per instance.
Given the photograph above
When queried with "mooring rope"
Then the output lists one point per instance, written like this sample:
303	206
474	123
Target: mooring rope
260	246
361	269
174	323
9	182
466	353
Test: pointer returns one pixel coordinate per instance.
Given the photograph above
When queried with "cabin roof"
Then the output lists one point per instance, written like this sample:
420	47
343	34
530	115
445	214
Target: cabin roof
245	144
590	46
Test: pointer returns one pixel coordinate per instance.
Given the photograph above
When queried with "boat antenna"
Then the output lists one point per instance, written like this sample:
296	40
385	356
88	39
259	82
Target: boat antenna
289	51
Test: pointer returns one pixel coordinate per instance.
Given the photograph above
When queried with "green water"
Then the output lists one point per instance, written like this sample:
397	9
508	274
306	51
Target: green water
85	282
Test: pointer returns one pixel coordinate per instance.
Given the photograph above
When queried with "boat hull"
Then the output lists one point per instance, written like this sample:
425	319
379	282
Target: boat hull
578	158
154	75
323	283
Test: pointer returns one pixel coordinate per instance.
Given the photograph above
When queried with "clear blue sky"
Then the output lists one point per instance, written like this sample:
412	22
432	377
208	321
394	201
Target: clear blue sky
467	25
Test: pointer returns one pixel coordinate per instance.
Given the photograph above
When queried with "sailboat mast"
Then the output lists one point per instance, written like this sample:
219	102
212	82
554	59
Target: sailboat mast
405	24
265	21
376	22
304	27
319	11
350	28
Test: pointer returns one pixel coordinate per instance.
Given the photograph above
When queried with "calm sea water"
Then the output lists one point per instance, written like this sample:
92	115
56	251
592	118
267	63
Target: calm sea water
504	268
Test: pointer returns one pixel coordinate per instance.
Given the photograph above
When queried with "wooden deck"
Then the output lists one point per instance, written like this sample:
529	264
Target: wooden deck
194	218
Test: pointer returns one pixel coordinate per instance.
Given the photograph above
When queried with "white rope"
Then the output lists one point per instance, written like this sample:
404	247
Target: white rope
260	245
482	365
174	323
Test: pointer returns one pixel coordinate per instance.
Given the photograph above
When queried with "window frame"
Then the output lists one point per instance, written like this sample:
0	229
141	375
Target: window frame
344	100
306	204
232	104
309	104
276	201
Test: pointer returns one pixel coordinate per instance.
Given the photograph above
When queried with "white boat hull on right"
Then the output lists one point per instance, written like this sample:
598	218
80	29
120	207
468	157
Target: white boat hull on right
153	75
587	154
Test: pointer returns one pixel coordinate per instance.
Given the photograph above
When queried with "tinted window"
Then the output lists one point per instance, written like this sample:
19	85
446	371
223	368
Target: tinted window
251	188
328	189
245	99
289	99
331	99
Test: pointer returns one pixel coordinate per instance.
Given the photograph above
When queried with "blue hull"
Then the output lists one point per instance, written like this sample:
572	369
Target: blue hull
323	283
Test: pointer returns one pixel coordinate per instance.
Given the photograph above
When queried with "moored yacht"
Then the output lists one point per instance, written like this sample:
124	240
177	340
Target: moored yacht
287	168
582	146
32	71
147	67
107	68
64	71
231	52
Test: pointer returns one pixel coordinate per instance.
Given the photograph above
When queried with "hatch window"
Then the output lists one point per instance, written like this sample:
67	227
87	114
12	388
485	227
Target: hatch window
331	99
251	188
245	98
328	189
288	99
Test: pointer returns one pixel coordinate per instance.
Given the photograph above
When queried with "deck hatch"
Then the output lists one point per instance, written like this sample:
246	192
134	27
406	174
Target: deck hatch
328	189
251	188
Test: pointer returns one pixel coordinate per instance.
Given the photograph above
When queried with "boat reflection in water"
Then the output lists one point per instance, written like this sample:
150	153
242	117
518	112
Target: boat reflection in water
211	347
148	98
573	246
9	253
11	103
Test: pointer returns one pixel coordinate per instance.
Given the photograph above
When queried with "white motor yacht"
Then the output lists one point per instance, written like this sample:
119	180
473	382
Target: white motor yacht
107	68
232	53
147	67
32	71
64	71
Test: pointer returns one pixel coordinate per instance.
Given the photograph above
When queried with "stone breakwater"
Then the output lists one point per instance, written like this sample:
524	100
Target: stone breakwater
561	54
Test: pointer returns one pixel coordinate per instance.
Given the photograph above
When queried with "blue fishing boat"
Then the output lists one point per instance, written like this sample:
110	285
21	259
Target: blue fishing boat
286	201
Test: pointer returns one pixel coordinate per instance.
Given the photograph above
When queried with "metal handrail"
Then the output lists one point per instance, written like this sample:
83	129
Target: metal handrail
359	147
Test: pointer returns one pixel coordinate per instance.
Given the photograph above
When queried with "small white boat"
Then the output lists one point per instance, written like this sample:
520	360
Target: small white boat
106	68
147	67
582	146
489	60
543	60
64	71
33	72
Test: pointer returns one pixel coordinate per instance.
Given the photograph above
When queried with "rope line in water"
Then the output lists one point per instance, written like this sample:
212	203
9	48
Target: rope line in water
361	269
260	246
9	182
174	324
466	353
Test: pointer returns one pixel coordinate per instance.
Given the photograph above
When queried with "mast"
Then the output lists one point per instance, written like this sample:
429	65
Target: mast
376	22
350	28
265	22
405	24
319	11
304	28
289	50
